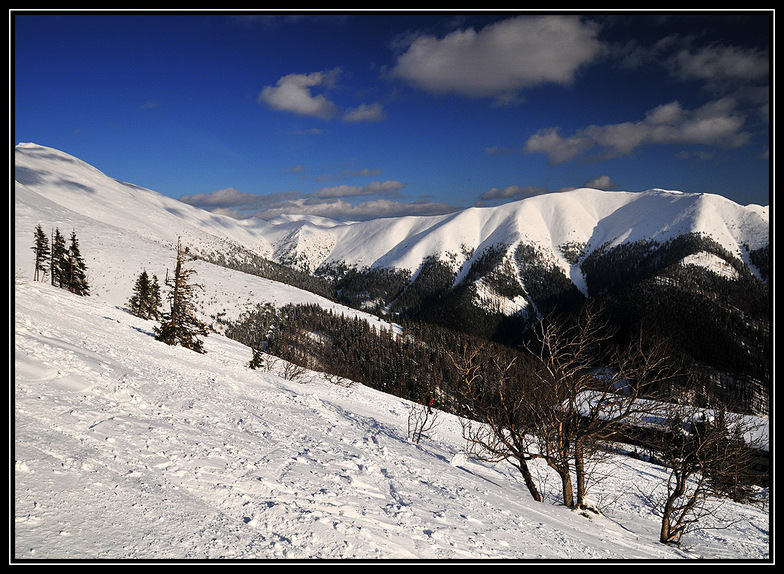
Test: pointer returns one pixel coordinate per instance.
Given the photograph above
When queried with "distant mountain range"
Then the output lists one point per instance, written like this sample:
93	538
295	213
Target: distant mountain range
651	255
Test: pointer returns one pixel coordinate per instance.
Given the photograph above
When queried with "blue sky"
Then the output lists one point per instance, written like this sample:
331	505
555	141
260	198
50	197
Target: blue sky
357	115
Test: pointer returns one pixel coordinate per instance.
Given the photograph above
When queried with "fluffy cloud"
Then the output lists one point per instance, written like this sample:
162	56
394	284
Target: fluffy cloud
713	64
511	192
601	182
373	188
293	94
365	113
232	200
715	123
340	209
501	59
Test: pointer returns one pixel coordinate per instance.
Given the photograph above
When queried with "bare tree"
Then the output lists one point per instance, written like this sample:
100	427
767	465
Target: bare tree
561	402
293	371
587	387
708	456
498	424
421	419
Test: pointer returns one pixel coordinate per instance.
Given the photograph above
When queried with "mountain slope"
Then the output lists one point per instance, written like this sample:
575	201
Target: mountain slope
124	229
128	449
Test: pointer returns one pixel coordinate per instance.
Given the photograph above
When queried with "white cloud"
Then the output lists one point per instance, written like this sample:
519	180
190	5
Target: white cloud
343	210
501	59
716	123
601	182
332	202
365	113
509	193
713	64
293	94
373	188
231	199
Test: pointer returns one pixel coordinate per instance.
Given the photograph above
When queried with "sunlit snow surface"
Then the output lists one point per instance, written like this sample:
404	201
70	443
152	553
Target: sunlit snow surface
126	448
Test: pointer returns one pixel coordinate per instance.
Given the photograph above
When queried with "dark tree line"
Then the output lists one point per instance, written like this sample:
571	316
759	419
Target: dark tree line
410	365
608	269
62	261
720	323
548	288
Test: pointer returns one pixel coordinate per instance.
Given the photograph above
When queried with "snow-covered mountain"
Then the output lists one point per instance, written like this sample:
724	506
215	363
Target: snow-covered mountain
124	229
54	188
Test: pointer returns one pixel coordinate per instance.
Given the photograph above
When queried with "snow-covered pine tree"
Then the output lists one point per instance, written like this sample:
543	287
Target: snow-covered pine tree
42	254
76	269
181	326
59	265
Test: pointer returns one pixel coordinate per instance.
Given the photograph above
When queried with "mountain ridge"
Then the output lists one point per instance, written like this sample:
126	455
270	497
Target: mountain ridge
587	217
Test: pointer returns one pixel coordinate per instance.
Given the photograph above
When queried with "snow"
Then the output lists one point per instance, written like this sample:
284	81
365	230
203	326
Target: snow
128	449
711	262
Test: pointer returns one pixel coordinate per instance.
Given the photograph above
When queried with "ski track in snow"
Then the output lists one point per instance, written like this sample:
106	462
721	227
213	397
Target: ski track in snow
126	448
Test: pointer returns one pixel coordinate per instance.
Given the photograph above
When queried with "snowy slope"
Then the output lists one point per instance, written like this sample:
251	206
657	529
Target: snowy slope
82	189
126	448
123	229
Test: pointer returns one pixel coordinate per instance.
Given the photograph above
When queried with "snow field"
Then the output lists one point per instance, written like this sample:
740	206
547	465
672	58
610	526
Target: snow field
125	448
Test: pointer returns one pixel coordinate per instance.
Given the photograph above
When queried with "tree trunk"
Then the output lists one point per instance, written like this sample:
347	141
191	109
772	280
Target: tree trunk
664	534
566	487
579	470
529	481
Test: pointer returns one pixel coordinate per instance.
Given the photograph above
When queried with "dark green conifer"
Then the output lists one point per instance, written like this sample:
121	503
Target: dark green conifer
181	326
42	254
146	299
59	263
76	269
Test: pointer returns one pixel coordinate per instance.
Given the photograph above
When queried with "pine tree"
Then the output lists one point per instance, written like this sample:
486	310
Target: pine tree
257	362
59	264
146	299
154	309
42	254
180	326
76	269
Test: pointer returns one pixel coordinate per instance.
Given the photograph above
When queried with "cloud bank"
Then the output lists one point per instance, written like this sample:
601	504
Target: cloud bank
716	123
336	202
